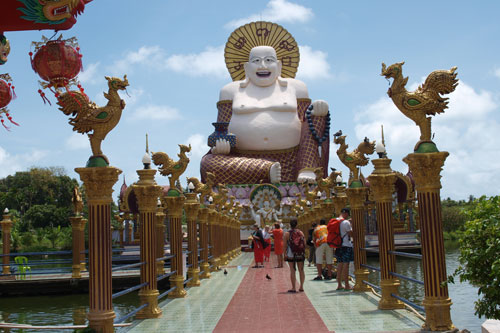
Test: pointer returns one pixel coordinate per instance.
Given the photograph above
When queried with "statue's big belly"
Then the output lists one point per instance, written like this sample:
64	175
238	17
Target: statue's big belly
266	130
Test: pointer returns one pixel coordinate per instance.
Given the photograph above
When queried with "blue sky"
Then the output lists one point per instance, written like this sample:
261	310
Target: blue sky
172	53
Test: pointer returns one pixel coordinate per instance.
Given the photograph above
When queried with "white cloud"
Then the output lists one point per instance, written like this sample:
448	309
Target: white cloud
313	64
198	144
277	11
497	72
209	62
465	130
146	55
156	112
77	141
10	164
91	74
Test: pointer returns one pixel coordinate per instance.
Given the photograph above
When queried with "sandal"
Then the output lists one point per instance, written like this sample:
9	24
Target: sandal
318	278
301	290
292	291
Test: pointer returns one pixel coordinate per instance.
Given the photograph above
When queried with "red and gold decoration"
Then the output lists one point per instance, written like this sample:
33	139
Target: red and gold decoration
18	15
6	95
57	62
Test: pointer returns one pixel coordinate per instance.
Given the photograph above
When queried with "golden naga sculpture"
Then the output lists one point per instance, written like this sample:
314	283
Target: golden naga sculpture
77	201
326	184
168	167
220	198
356	158
205	190
426	100
87	116
228	205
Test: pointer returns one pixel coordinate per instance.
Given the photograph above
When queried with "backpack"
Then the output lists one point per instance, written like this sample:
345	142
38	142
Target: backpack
334	238
296	243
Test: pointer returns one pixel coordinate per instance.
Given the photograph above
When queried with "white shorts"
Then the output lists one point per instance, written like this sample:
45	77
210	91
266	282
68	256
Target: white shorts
324	250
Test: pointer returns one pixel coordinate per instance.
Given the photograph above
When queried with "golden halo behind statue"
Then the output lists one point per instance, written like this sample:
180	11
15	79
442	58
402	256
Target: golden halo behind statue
261	33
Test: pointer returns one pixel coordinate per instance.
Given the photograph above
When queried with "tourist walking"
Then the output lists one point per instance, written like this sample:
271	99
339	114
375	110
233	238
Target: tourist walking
295	246
324	253
258	245
310	244
344	253
278	244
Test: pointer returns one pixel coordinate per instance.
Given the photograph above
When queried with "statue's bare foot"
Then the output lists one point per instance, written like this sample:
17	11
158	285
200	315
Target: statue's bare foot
275	173
306	176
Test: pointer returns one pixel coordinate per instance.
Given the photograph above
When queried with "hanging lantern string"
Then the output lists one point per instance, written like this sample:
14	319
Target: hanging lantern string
3	124
10	119
14	96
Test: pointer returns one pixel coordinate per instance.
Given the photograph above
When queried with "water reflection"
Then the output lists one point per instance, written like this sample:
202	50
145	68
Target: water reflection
462	294
57	310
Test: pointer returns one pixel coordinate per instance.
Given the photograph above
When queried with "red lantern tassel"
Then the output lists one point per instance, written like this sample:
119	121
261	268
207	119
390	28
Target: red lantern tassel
10	119
45	99
3	123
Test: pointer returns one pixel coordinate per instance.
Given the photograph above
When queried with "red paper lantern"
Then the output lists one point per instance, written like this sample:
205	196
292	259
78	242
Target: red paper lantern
57	62
6	95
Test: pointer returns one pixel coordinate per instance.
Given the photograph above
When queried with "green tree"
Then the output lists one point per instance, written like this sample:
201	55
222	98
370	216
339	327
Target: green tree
480	254
41	216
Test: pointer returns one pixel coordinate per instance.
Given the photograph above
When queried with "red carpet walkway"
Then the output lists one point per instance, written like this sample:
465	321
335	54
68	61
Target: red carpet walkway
261	305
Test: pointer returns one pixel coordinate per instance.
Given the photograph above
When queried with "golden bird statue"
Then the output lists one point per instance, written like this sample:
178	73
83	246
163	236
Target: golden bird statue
88	117
171	168
425	100
326	184
356	158
205	190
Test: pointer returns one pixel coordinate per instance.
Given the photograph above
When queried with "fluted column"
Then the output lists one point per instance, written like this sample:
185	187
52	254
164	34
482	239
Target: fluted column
99	183
77	228
160	241
213	238
223	219
174	214
205	266
357	196
83	256
192	207
6	228
426	169
147	192
382	182
340	199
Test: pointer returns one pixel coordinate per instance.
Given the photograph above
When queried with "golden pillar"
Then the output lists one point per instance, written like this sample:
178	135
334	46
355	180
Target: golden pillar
160	241
98	182
192	207
382	182
130	229
77	229
121	228
213	239
83	256
147	192
357	197
174	214
222	225
205	266
426	169
6	228
340	199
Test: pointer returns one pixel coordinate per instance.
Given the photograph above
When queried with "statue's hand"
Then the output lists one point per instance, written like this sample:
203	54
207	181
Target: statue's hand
221	147
320	108
306	176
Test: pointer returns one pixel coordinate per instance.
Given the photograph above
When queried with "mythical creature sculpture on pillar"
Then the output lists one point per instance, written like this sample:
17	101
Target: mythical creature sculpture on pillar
276	133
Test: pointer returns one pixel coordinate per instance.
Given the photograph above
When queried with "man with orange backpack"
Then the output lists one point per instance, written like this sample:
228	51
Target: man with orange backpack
324	253
339	237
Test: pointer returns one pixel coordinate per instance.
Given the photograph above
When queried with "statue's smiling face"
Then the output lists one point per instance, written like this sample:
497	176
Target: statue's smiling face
263	67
